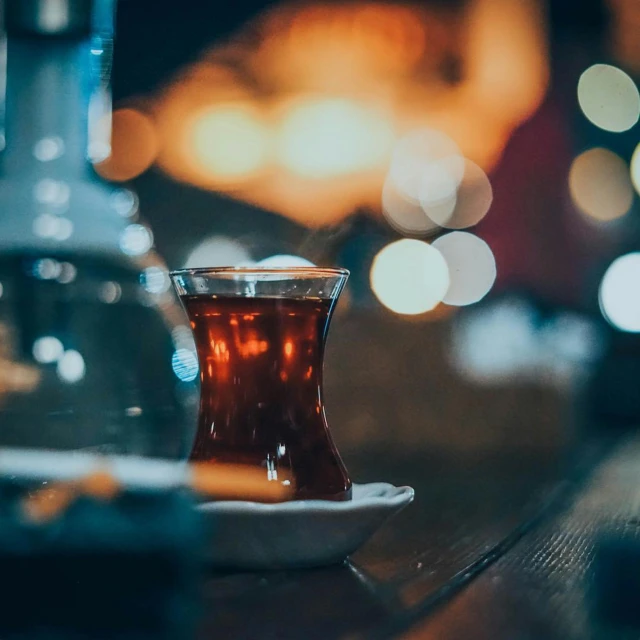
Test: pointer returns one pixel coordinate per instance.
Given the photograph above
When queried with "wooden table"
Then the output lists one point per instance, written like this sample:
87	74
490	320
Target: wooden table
575	575
493	547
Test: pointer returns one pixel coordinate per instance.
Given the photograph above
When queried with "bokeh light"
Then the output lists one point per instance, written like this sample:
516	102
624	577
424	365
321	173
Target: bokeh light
466	205
472	267
404	214
124	202
600	185
609	98
48	148
506	66
155	280
47	349
282	260
218	251
438	191
409	277
52	193
47	269
619	293
134	146
327	137
68	273
71	366
635	168
431	185
183	338
324	46
136	240
45	225
64	229
332	86
185	365
426	162
109	292
229	142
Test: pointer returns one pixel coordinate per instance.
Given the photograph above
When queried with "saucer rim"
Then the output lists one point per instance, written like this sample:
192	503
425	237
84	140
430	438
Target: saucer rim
393	496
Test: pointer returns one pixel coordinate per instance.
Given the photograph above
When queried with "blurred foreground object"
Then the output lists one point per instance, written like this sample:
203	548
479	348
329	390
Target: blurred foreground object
85	317
107	565
76	473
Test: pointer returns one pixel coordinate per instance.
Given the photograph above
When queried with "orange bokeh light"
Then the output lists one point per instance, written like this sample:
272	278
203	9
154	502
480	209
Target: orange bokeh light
328	137
299	113
134	146
506	58
228	141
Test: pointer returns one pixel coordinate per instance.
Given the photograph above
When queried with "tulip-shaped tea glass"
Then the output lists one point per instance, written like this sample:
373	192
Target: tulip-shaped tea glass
260	336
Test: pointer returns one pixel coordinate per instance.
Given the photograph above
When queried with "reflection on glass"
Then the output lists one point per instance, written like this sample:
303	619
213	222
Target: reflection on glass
260	336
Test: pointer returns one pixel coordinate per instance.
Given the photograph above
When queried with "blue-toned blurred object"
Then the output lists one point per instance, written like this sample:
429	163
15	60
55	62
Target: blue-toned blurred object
127	567
86	311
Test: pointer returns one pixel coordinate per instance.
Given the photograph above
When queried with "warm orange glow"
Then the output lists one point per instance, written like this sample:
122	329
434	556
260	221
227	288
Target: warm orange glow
327	47
625	26
600	184
220	350
312	202
249	345
251	348
228	141
299	113
16	377
324	138
506	58
441	312
134	146
202	117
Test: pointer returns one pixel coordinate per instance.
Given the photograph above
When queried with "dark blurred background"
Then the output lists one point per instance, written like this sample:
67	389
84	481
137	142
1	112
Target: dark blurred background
471	162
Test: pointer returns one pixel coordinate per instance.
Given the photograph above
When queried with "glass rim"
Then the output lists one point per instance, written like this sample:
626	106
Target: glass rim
312	272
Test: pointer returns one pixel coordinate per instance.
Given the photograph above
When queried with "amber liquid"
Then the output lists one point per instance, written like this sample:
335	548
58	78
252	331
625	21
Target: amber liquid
261	390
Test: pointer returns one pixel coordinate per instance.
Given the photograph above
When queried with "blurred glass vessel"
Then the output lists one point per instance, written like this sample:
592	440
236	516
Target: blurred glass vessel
86	311
260	336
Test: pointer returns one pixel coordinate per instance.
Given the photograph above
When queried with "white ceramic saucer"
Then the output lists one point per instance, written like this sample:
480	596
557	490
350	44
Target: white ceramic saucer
300	533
